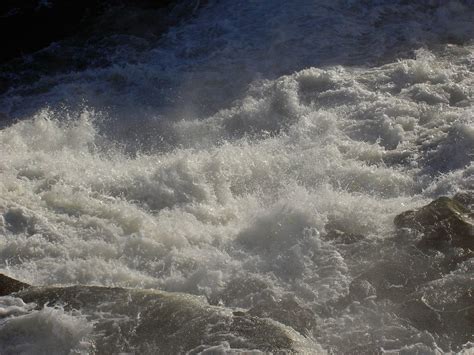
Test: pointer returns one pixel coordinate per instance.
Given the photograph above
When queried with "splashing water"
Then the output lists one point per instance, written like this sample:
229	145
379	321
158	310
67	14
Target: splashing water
272	146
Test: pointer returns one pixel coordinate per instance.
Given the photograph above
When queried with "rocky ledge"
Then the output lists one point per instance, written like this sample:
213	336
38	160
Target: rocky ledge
151	321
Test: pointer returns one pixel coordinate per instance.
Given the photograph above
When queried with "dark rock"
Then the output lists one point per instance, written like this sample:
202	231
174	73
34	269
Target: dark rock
444	306
421	315
239	313
256	295
443	223
288	311
453	257
150	321
341	237
167	322
466	199
241	292
9	285
395	277
386	279
361	289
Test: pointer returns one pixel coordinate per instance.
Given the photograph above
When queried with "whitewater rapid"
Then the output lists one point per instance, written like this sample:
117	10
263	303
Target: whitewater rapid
271	189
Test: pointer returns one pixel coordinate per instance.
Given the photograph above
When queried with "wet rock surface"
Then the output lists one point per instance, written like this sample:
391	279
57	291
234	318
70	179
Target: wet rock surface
9	285
437	310
428	284
445	305
442	224
150	321
260	301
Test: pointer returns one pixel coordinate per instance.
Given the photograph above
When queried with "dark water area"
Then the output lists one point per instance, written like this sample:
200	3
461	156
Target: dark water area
48	37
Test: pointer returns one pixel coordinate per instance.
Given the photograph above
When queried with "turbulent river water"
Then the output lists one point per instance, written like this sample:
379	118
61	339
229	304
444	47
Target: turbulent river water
256	154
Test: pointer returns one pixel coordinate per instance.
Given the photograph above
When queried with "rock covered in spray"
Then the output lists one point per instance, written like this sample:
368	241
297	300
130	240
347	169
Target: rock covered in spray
150	321
445	222
437	310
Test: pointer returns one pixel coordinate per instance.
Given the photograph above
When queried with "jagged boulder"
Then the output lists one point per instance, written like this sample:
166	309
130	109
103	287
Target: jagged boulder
151	321
444	223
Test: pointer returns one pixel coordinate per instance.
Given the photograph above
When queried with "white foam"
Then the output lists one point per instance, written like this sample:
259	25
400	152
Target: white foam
49	330
252	191
307	153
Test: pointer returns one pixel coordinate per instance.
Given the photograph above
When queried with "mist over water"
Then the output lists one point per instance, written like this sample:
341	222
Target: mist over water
256	155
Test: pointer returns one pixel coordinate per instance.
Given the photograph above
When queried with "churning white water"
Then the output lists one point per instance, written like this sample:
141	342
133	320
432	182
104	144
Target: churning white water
280	141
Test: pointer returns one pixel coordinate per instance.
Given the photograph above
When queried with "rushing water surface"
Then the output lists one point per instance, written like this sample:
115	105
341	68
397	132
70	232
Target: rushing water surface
255	154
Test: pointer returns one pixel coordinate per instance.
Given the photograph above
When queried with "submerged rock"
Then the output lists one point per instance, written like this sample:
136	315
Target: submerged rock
443	223
466	199
386	280
288	311
150	321
444	306
361	289
257	296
